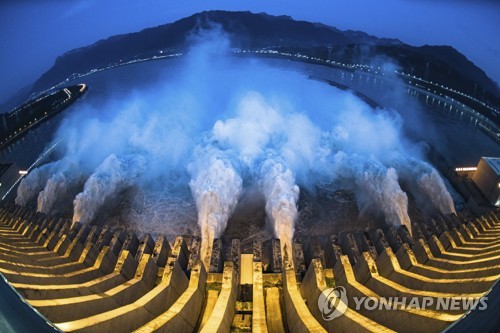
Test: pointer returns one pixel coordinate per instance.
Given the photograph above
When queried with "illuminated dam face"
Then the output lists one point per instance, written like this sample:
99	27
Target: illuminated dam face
272	175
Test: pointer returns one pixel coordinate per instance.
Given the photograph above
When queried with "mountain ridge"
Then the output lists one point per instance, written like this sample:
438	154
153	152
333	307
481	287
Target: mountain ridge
249	30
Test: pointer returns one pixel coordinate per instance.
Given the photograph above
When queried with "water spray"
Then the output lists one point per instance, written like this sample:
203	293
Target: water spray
282	194
216	187
115	174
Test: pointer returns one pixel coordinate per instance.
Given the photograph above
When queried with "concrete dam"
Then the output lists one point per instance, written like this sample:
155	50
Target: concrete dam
96	279
265	219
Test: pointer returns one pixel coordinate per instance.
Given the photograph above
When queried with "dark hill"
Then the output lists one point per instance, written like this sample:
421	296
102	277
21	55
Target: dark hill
248	30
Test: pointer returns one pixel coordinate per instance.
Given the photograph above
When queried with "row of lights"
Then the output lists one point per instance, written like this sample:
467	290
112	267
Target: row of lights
465	169
369	68
450	89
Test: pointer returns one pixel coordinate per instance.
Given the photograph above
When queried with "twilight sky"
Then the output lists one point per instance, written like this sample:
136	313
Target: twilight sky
33	33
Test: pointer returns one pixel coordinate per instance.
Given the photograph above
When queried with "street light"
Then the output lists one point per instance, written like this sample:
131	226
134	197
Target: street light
23	172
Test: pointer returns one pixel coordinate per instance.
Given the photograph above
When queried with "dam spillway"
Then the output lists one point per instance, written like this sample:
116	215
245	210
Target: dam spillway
99	279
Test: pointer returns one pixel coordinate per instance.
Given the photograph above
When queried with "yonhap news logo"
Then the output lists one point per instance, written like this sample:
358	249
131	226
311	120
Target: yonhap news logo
332	303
